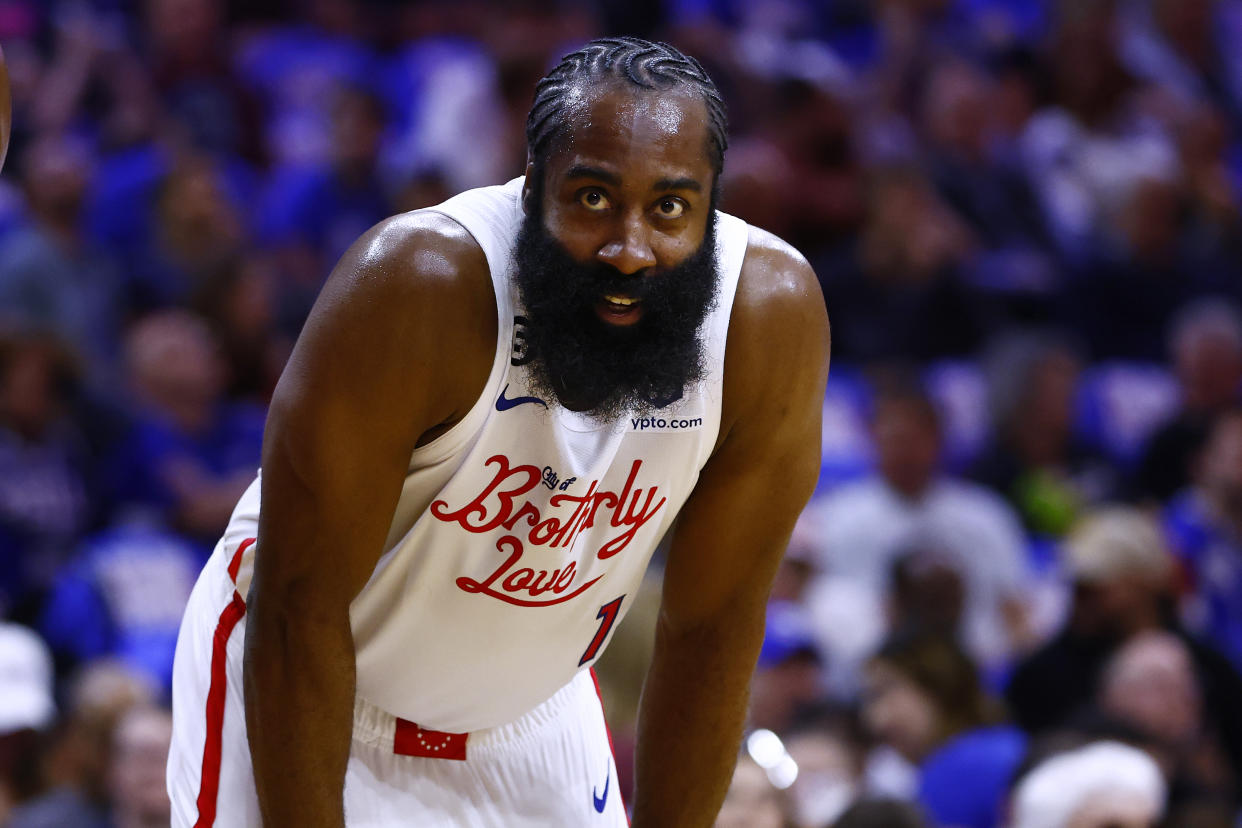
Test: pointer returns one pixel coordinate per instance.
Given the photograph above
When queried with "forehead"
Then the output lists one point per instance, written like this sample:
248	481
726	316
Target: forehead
635	133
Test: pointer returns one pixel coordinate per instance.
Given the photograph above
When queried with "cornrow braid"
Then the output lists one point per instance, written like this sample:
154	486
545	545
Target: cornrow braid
645	64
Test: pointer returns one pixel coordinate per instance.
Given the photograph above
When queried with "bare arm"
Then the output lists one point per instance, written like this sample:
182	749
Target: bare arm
397	347
729	539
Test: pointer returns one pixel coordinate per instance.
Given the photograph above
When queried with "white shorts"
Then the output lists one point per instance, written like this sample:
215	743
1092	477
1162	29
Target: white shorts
551	767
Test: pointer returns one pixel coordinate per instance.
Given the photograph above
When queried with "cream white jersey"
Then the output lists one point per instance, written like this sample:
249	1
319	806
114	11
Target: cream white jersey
522	533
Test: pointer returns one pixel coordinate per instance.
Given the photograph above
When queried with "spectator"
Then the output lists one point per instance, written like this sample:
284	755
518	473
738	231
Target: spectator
138	758
752	801
923	698
243	303
994	196
788	677
828	746
903	276
187	56
50	275
1102	785
1036	458
1122	580
78	759
811	130
192	452
926	592
1121	577
1152	685
26	708
45	475
1205	344
1137	263
1087	151
295	67
122	596
909	502
313	213
197	230
1204	524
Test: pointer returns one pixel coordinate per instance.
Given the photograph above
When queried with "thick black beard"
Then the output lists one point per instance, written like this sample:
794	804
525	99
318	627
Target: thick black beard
606	371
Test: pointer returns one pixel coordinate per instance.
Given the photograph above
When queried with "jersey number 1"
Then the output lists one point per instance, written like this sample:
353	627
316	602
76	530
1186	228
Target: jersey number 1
608	612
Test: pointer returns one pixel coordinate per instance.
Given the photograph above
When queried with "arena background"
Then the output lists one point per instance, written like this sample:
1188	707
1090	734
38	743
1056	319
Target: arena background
1025	218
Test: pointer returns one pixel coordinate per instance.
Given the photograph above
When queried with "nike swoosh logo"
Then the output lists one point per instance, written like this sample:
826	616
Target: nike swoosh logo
503	404
600	800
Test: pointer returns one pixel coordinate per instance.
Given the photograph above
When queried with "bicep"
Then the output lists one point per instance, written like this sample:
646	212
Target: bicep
367	377
734	528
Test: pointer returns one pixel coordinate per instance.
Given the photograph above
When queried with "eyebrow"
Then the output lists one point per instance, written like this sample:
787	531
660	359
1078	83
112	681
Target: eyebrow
585	171
663	185
678	184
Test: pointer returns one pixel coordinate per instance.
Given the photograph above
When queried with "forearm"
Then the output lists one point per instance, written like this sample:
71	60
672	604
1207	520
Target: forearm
299	692
690	723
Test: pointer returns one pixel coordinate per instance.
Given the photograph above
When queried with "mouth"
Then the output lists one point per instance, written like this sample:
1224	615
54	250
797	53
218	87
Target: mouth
616	309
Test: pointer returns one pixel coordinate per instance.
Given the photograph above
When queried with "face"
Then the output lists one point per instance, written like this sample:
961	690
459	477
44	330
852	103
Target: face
827	777
1152	683
908	445
616	257
1221	463
777	693
139	756
898	712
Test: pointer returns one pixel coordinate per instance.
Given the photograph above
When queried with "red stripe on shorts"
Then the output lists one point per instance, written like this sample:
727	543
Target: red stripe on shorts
235	564
209	783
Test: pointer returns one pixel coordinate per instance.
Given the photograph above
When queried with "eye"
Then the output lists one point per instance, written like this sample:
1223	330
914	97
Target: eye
671	208
593	200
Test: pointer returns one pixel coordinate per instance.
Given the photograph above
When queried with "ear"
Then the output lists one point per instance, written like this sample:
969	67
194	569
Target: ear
527	195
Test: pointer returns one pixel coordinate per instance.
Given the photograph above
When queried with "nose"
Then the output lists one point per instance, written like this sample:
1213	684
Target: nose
630	252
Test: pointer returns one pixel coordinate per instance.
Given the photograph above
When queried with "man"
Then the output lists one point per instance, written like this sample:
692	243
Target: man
1123	578
910	508
495	411
1204	526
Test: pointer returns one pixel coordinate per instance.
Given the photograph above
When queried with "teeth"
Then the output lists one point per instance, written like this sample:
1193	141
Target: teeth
620	300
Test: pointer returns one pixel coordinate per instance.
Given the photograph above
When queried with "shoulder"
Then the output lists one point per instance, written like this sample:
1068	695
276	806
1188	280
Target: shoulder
420	267
409	306
777	280
778	320
425	246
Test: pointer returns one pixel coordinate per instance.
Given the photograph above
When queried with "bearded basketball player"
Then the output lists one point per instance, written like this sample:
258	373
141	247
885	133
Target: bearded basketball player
497	409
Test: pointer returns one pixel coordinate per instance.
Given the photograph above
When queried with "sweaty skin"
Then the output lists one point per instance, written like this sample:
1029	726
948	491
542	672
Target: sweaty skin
398	349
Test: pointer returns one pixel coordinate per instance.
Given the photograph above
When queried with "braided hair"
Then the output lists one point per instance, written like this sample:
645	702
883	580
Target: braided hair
643	63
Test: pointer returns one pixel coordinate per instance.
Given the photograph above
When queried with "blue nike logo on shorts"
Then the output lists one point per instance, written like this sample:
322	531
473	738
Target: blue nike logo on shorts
601	800
503	404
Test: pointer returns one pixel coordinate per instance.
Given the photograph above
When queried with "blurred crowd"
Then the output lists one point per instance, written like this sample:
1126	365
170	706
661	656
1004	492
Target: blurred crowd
1016	597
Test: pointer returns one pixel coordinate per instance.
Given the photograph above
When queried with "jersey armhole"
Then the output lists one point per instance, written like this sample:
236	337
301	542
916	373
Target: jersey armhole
452	439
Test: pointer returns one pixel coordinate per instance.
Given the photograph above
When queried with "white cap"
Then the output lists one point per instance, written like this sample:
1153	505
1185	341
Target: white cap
25	680
1114	542
1054	791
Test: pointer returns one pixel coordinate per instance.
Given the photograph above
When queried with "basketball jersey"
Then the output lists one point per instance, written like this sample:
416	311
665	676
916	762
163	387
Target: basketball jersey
522	533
